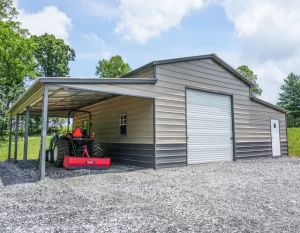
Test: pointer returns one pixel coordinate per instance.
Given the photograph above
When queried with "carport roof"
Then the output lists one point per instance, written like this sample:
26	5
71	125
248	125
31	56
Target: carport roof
66	93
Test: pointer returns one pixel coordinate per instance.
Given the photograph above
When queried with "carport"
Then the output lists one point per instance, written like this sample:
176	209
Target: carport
54	97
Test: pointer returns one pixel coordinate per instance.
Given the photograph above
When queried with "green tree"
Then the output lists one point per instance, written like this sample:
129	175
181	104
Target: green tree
16	55
52	56
289	98
16	59
7	10
112	68
249	74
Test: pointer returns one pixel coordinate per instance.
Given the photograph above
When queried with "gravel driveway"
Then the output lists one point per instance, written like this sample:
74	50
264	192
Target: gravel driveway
260	195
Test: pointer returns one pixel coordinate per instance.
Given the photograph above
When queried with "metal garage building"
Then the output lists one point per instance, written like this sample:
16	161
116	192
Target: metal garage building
175	112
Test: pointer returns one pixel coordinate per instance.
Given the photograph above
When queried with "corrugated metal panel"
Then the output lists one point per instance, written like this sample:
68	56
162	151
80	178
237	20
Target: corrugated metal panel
141	155
252	120
257	116
252	149
209	127
170	155
137	147
145	74
169	92
106	120
284	148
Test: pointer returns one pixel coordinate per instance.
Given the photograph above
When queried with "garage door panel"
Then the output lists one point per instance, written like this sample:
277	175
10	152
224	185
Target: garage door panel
207	159
209	127
217	124
209	141
210	111
217	117
214	108
211	132
199	116
220	146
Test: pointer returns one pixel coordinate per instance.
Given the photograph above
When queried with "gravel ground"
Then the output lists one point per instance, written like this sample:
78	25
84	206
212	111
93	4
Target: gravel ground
19	173
260	195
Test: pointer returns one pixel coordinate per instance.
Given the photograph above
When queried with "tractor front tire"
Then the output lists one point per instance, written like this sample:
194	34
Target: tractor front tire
61	149
94	149
49	156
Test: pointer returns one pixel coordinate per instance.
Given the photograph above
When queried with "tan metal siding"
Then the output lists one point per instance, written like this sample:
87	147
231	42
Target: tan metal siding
106	120
137	147
253	133
145	74
252	126
251	119
195	74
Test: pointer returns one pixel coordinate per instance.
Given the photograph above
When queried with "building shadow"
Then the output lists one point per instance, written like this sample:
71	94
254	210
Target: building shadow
12	173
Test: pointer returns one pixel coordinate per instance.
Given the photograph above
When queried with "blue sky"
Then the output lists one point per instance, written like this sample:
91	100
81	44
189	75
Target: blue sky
240	32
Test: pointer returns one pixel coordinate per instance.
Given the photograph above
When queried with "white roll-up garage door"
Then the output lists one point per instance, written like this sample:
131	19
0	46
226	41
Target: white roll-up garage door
209	127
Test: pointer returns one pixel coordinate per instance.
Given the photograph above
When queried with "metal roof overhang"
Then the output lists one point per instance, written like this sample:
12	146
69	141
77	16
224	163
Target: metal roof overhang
265	103
74	93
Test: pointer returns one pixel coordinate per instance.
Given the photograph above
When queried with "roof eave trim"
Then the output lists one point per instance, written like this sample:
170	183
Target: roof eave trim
269	105
229	68
96	81
174	60
31	87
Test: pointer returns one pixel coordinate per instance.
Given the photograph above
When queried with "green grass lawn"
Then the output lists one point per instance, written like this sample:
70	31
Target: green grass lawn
33	148
294	141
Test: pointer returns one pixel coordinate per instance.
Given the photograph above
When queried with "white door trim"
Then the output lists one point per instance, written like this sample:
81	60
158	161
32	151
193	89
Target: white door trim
275	137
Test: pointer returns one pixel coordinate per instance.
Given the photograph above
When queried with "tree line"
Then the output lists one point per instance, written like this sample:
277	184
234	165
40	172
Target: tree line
289	97
23	57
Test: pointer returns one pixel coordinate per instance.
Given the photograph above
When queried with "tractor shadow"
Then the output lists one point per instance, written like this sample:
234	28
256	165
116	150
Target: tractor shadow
12	173
53	172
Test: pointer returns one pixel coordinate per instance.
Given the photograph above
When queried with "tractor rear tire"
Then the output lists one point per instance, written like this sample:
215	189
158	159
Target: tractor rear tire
61	149
94	149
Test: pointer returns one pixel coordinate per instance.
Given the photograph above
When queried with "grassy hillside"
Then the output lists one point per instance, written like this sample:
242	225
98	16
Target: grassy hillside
33	148
294	141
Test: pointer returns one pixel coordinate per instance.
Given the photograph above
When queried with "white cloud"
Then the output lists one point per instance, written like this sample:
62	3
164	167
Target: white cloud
93	37
49	20
95	49
269	33
99	9
141	20
270	80
269	26
106	55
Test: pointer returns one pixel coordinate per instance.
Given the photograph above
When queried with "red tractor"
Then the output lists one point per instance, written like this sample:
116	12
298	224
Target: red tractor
79	149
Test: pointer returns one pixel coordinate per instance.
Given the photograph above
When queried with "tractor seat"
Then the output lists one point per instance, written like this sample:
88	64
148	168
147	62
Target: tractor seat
77	133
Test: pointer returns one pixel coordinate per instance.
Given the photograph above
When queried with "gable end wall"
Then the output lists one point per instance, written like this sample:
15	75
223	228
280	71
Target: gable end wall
252	120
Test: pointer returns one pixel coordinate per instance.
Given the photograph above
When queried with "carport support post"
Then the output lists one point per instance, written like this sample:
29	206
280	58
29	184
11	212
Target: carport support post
44	132
10	136
26	136
16	136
